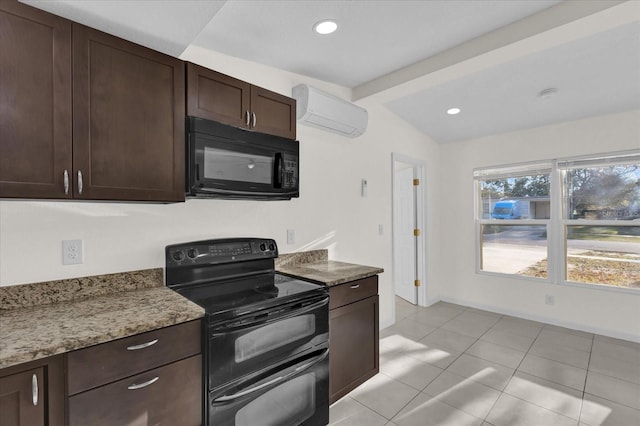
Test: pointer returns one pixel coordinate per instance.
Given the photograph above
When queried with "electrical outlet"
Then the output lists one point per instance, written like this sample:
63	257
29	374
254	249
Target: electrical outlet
72	252
549	299
291	236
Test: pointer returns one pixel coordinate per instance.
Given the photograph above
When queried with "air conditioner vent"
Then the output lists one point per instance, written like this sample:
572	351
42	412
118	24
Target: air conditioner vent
327	112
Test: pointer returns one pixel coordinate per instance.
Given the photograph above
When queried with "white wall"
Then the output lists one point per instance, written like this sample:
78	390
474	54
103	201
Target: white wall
608	312
329	214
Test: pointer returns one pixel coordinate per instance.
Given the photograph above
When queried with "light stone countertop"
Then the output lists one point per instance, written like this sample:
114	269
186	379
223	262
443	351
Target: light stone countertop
314	266
50	318
68	323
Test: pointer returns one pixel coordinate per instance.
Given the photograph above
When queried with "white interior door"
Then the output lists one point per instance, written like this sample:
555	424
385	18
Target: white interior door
404	223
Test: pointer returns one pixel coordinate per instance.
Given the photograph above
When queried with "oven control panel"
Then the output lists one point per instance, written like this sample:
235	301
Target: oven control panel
220	251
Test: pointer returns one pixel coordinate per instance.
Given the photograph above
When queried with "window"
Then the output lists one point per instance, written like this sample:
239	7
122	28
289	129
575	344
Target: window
514	219
601	220
567	221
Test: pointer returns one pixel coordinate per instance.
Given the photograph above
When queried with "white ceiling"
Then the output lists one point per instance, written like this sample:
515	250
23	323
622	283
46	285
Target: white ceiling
416	57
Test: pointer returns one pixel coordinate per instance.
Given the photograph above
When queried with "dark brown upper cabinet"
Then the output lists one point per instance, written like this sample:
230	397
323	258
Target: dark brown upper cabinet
124	140
35	103
128	120
225	99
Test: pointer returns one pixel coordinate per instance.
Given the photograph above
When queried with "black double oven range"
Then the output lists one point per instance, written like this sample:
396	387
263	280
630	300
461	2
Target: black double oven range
265	335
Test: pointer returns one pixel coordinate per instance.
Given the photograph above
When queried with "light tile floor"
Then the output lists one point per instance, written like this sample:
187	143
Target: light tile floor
452	365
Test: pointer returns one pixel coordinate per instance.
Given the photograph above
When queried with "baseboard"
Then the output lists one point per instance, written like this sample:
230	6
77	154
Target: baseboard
387	323
546	320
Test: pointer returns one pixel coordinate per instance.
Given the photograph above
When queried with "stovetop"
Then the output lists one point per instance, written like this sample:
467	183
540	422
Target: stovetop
248	293
232	276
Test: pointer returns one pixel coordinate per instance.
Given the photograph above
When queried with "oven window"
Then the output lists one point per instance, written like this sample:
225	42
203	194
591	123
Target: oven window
272	336
289	404
222	164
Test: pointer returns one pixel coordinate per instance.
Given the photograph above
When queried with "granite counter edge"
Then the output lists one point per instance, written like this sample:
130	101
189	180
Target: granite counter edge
184	311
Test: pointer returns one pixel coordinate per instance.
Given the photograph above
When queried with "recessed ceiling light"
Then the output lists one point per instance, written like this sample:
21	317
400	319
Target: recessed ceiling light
548	93
325	27
453	111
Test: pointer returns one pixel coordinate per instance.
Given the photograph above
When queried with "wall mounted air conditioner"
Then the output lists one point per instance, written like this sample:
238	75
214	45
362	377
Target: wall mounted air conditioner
327	112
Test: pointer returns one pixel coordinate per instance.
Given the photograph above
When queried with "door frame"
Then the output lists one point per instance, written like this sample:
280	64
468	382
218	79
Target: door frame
419	169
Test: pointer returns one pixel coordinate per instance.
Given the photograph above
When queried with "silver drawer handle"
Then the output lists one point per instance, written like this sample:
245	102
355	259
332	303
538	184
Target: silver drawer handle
354	286
34	389
66	182
143	385
254	119
142	345
248	117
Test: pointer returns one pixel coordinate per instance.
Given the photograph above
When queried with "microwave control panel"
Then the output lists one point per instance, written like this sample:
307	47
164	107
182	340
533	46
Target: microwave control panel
290	172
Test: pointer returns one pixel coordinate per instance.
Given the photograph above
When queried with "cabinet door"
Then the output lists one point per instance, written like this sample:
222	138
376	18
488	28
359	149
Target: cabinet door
32	393
35	102
353	346
217	96
128	120
21	401
274	113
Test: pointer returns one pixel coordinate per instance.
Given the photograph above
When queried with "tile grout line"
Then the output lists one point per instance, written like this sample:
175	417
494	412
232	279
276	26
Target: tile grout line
457	315
586	376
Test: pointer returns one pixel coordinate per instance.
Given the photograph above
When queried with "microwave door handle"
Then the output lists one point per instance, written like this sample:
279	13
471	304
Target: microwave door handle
277	172
296	372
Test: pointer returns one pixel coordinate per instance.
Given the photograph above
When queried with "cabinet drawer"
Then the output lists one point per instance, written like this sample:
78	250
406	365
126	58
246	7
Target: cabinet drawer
352	291
169	395
105	363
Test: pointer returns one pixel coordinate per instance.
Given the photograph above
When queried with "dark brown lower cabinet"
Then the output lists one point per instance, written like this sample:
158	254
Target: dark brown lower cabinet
353	335
169	395
32	394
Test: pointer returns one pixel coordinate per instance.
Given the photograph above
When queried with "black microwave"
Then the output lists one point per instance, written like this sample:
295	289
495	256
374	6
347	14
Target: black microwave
228	162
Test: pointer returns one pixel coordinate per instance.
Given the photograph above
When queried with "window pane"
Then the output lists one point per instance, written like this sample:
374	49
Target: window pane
517	249
607	193
608	255
522	197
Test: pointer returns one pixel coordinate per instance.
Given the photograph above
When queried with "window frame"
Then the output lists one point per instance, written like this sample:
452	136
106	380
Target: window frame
511	171
557	225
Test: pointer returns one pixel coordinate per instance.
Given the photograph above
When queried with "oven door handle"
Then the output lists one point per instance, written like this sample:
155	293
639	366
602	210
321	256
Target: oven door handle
222	329
278	379
250	390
